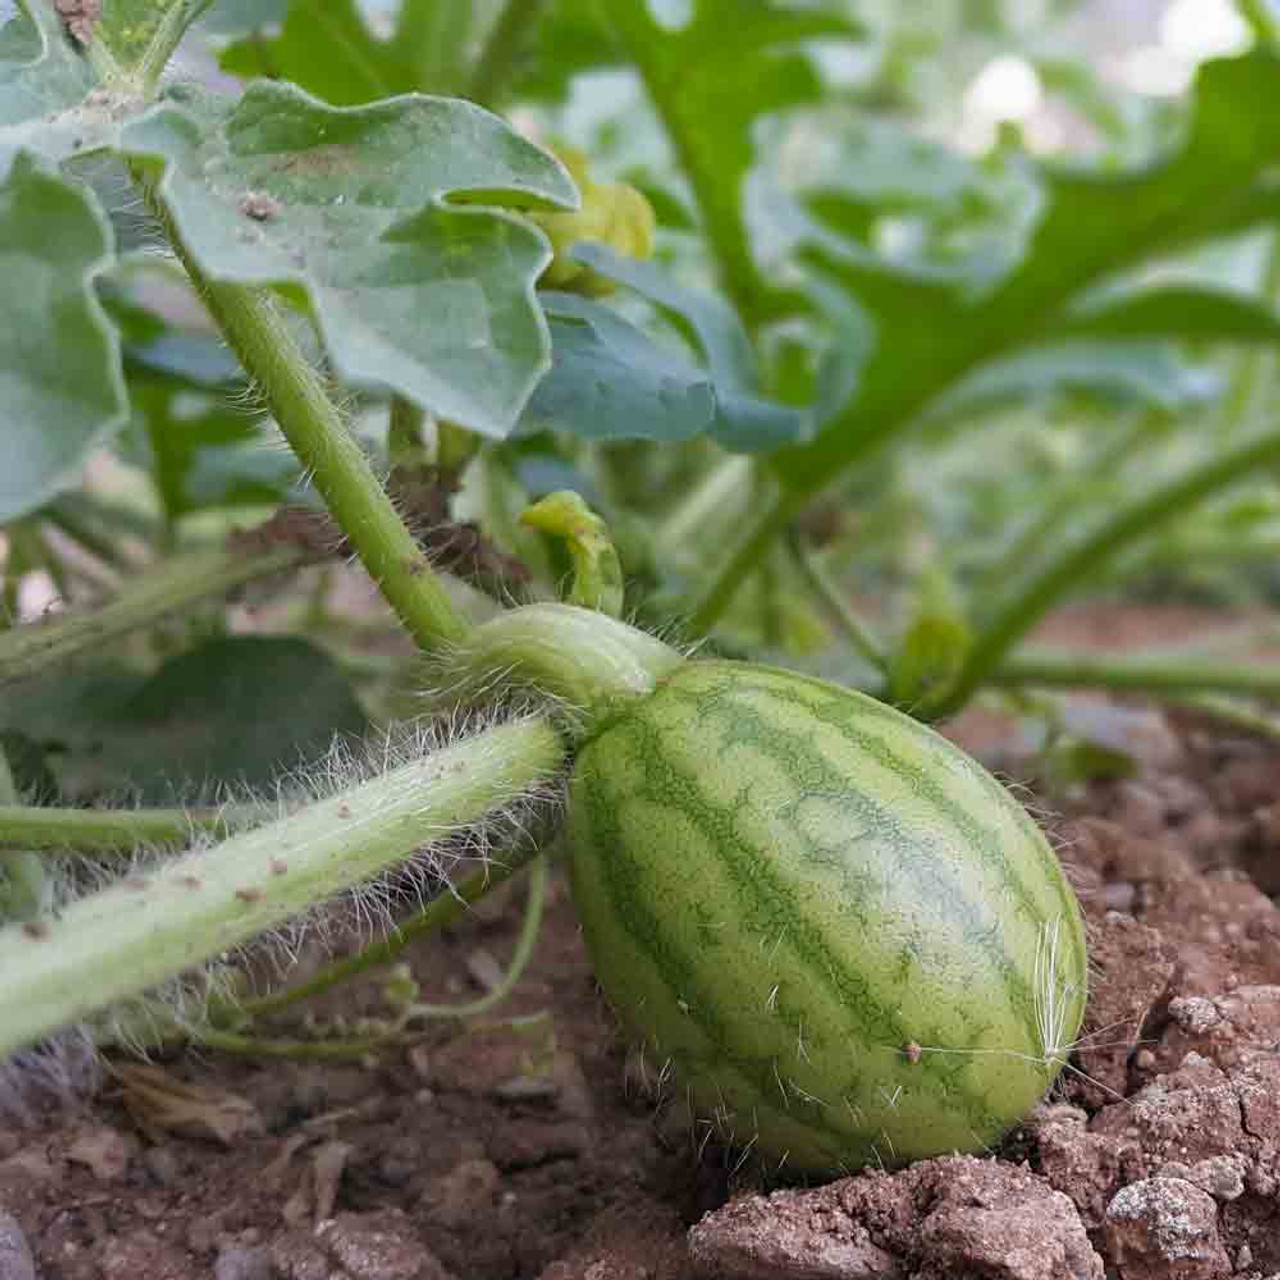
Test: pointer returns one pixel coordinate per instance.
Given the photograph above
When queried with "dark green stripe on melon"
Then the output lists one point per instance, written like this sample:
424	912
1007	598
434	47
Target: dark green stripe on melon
785	884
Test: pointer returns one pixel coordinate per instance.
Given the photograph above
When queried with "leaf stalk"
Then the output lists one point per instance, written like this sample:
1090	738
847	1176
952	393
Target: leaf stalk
262	336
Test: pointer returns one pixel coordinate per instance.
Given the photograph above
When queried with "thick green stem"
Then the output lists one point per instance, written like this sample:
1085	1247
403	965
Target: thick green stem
114	830
769	525
1161	504
1134	675
258	331
126	939
175	584
496	66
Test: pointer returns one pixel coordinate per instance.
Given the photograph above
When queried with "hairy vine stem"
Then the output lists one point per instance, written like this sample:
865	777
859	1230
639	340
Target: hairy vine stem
30	827
149	928
260	334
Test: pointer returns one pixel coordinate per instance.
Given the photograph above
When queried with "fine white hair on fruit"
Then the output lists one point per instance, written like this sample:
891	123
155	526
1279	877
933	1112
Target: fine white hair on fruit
1055	999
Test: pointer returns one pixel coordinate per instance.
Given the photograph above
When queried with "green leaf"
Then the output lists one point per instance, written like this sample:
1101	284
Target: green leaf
39	71
347	207
327	48
713	322
732	62
931	332
931	651
929	657
236	710
610	381
240	709
30	774
43	83
61	386
723	342
571	39
200	359
435	36
1074	761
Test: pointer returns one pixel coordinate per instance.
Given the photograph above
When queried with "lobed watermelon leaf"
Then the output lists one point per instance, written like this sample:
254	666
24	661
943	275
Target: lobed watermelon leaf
327	48
610	381
932	331
384	221
61	383
43	84
733	61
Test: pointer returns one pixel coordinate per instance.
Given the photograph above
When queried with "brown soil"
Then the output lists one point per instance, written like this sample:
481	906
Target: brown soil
528	1150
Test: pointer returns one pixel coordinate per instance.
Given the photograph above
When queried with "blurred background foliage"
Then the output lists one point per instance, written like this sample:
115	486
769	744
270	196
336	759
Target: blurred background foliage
917	135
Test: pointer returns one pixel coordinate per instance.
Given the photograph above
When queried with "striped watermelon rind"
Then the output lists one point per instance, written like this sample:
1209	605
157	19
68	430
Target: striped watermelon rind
843	939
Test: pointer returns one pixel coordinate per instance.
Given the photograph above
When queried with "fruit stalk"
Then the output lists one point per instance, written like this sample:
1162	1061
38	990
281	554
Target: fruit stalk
586	659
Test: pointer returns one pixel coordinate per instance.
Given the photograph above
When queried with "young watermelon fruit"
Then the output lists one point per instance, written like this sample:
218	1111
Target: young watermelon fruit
844	937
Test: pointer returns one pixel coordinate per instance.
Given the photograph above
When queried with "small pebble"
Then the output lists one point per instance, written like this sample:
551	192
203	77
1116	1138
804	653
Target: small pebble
238	1263
163	1165
16	1262
1120	896
484	970
527	1089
